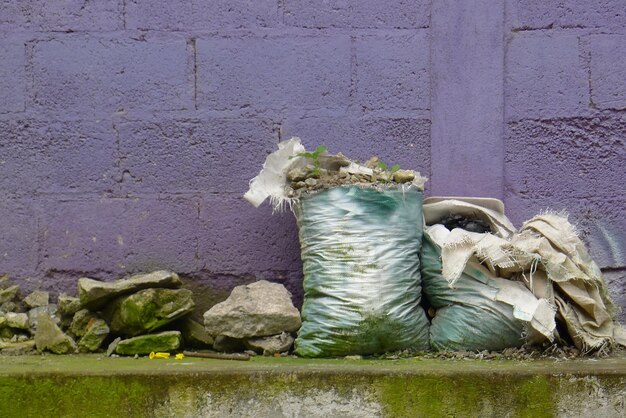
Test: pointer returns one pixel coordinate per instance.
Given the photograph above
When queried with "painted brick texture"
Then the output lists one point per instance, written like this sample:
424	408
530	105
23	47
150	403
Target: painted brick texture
86	75
258	74
129	129
183	15
357	13
12	77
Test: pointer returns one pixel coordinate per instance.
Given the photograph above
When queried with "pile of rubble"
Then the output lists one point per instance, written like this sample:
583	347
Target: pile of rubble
144	313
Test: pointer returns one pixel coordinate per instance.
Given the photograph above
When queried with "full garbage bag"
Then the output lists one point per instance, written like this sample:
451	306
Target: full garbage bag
475	308
360	253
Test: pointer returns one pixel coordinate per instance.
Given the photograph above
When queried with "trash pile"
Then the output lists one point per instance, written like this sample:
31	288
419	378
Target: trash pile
486	286
503	288
384	272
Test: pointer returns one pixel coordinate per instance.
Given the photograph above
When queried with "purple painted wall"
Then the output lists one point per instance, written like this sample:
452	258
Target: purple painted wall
130	128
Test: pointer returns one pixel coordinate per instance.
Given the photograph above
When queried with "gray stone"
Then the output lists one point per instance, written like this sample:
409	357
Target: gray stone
82	321
50	337
19	348
3	321
33	314
37	298
297	174
68	305
94	294
228	345
145	344
16	320
148	310
268	346
194	334
255	310
404	176
97	331
113	346
311	182
8	294
8	307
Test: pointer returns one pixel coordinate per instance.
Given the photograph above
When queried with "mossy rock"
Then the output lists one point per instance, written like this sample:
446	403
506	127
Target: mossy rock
148	310
145	344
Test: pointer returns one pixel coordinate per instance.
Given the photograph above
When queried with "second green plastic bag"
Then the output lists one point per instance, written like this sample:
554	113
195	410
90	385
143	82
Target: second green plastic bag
360	254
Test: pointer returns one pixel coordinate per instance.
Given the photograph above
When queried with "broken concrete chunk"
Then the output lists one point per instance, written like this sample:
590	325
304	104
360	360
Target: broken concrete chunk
8	294
16	320
94	294
194	334
96	333
8	307
255	310
50	337
145	344
404	176
297	174
113	346
68	305
228	345
34	313
268	346
81	322
148	310
37	298
19	348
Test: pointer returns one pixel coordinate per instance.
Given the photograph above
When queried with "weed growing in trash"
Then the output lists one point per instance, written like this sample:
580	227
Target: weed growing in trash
393	169
314	156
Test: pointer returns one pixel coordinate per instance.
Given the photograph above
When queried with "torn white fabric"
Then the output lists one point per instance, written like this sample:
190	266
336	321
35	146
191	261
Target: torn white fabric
272	179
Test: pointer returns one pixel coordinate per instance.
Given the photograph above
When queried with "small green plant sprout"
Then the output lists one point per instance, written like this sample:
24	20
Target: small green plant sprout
393	169
314	156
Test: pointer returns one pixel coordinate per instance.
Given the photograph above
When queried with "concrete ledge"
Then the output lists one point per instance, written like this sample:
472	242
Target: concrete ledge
93	386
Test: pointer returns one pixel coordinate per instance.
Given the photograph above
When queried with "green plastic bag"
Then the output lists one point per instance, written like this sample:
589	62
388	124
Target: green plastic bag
467	316
360	254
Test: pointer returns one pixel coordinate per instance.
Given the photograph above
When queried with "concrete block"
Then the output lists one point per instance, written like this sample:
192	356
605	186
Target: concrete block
38	156
66	15
87	75
608	71
12	76
201	15
19	244
571	164
357	13
395	141
273	73
533	14
566	157
210	155
392	71
545	77
594	14
120	235
237	238
539	14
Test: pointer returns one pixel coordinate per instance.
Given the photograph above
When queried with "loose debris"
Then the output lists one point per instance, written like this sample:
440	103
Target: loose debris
292	171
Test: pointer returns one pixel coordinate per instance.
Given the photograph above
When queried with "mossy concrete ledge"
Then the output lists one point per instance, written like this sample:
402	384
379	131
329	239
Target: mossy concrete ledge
97	386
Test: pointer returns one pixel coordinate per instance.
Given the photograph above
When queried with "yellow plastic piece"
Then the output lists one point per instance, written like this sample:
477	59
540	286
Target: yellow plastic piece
180	356
154	355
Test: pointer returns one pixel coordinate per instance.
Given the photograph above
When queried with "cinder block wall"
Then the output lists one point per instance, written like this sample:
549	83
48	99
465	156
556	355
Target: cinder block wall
129	128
